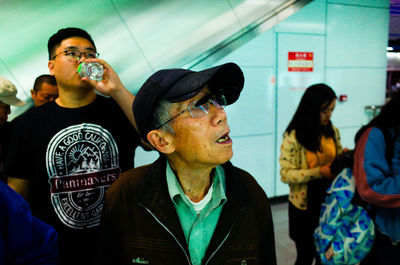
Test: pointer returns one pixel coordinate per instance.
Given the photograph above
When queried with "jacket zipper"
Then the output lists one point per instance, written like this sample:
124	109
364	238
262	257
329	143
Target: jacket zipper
226	237
219	246
187	257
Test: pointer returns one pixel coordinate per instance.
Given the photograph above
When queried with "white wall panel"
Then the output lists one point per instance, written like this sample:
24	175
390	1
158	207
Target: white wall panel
347	136
254	112
354	39
363	86
310	19
254	154
144	157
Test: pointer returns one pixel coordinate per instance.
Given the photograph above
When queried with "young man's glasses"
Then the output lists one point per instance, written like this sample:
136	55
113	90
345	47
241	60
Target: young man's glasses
74	55
200	108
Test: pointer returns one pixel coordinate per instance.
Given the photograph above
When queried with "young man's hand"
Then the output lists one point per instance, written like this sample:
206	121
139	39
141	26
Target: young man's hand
112	86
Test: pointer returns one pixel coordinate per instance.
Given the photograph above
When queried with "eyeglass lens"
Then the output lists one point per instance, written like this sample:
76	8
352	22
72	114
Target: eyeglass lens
76	55
198	111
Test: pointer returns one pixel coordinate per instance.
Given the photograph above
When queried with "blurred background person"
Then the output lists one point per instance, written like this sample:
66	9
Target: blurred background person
8	96
377	173
309	146
44	90
24	239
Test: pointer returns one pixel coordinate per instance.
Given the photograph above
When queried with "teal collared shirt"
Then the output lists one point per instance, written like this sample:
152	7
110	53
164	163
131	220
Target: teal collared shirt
198	229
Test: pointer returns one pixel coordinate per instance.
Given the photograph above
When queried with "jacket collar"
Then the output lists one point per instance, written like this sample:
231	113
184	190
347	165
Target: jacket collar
155	186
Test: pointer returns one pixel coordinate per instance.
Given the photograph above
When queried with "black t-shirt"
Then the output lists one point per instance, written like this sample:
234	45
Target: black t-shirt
71	156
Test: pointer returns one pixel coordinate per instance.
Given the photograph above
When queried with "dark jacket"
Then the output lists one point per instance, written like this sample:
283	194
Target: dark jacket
140	224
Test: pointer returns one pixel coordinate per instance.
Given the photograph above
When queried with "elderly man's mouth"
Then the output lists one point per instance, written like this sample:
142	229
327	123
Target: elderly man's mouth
224	139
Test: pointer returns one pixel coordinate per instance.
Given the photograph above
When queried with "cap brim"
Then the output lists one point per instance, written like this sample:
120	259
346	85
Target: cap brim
13	101
227	79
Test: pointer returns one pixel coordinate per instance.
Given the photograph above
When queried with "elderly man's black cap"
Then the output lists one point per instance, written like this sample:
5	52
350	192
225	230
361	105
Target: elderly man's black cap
176	85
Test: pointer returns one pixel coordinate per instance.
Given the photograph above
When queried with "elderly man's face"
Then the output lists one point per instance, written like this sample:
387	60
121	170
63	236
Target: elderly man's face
201	141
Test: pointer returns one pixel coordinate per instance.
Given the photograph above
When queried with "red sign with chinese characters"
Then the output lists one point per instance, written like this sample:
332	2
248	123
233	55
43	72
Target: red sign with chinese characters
300	61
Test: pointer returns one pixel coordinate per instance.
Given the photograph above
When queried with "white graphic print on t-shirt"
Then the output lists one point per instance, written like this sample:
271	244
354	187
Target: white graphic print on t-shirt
82	162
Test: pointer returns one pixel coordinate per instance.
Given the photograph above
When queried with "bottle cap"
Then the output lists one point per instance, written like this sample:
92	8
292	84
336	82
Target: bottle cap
80	69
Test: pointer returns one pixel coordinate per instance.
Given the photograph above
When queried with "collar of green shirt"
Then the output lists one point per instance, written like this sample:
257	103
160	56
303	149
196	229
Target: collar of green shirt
175	189
198	228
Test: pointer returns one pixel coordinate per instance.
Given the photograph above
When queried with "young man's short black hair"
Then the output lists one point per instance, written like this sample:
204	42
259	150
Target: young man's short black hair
63	34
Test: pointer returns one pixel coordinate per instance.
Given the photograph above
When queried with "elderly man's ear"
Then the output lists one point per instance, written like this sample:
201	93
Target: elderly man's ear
161	140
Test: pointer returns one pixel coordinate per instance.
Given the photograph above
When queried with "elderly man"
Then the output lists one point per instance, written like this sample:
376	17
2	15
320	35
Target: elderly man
191	206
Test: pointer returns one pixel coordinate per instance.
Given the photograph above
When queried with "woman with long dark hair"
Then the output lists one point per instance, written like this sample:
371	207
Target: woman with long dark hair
376	170
309	146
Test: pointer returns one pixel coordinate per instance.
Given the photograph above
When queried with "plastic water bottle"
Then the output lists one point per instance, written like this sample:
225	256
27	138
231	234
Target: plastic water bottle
93	71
